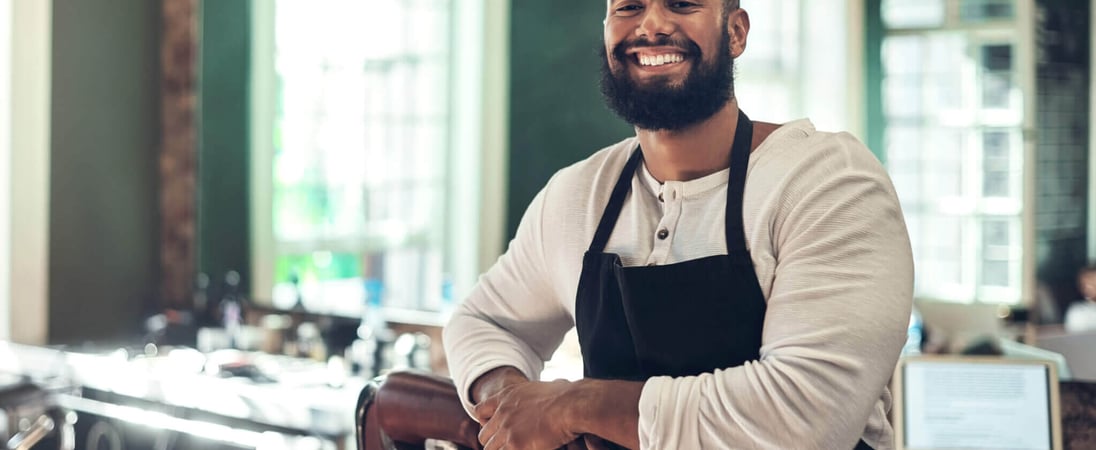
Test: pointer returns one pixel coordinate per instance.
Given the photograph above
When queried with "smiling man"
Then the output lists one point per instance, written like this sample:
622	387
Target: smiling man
734	284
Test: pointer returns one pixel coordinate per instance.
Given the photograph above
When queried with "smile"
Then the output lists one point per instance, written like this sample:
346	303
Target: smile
659	60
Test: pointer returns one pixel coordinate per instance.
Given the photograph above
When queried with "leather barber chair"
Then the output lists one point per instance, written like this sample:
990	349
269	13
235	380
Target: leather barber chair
404	409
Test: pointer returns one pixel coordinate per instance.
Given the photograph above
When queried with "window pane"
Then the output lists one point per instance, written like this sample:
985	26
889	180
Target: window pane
996	164
903	54
922	74
913	13
995	273
943	163
361	139
997	242
941	253
995	237
984	10
997	76
997	58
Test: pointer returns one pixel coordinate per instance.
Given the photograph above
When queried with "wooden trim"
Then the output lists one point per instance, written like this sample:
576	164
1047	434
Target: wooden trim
178	157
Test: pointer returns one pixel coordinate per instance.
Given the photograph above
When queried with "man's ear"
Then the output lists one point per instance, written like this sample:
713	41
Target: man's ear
738	27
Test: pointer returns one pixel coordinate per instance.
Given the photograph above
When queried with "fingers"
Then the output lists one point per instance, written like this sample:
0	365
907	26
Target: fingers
483	413
489	430
486	409
494	442
492	445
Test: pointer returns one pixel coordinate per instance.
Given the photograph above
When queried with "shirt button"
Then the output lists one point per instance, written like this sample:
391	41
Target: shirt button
663	234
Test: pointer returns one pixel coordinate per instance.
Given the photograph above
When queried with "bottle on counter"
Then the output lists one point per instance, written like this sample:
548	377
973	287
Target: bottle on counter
231	308
914	334
309	342
368	353
200	300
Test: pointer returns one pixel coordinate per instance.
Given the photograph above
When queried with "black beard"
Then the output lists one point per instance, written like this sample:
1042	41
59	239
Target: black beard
707	88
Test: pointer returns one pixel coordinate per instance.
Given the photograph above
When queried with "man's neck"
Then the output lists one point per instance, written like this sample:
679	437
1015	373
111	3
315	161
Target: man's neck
694	152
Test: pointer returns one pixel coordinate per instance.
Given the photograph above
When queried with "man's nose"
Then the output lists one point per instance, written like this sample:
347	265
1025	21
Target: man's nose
655	22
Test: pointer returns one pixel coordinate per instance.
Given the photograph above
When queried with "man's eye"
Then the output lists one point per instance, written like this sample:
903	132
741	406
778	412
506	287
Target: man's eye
682	5
628	9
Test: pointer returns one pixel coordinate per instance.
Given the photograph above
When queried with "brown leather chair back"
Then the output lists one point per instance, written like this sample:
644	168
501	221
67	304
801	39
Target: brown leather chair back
405	408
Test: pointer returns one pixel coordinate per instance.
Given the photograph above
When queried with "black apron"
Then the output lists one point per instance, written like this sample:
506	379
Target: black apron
675	320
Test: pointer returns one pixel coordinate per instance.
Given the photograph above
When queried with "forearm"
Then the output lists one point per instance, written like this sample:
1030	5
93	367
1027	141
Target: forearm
475	345
494	381
608	409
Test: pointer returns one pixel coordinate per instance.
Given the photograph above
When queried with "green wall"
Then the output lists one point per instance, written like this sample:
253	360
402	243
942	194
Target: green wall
224	144
557	116
104	184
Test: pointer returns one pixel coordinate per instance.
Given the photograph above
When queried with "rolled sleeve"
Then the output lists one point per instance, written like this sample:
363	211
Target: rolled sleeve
512	317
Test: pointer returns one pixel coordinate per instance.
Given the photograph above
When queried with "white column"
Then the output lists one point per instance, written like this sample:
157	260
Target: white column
264	91
5	169
495	129
479	138
30	151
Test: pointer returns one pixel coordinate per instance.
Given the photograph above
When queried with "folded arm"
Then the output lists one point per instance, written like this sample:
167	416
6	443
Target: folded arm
835	322
519	413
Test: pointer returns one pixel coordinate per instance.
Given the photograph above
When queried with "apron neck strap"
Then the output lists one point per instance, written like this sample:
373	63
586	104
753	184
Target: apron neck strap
616	202
740	158
736	184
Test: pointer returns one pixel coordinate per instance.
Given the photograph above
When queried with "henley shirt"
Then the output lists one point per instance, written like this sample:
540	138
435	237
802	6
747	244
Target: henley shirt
831	251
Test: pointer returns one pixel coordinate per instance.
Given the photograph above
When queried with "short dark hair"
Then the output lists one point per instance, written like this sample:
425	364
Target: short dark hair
728	6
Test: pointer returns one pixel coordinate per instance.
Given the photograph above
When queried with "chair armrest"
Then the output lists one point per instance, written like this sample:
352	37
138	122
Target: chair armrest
412	406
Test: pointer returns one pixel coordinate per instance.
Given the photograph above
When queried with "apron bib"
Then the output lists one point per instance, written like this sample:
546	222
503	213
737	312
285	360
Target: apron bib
676	320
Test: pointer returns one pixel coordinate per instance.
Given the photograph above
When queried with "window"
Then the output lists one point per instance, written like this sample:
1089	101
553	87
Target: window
954	110
797	63
354	151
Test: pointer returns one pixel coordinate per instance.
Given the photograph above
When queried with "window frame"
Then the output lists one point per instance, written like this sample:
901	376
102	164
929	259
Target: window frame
1020	32
475	162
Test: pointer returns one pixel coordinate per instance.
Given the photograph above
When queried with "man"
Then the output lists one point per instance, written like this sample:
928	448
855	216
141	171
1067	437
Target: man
733	284
1081	315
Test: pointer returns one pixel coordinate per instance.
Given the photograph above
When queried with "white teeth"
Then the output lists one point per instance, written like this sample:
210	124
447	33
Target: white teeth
659	60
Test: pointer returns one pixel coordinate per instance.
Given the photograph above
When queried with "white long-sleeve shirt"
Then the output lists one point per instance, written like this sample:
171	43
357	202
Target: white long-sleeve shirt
832	257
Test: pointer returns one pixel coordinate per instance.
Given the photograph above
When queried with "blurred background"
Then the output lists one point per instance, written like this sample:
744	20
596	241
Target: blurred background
335	150
202	172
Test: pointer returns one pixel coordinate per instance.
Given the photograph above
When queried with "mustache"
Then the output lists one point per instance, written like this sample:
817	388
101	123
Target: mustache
687	46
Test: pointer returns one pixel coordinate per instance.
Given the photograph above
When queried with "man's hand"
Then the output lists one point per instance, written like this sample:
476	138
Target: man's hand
527	415
493	382
518	414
